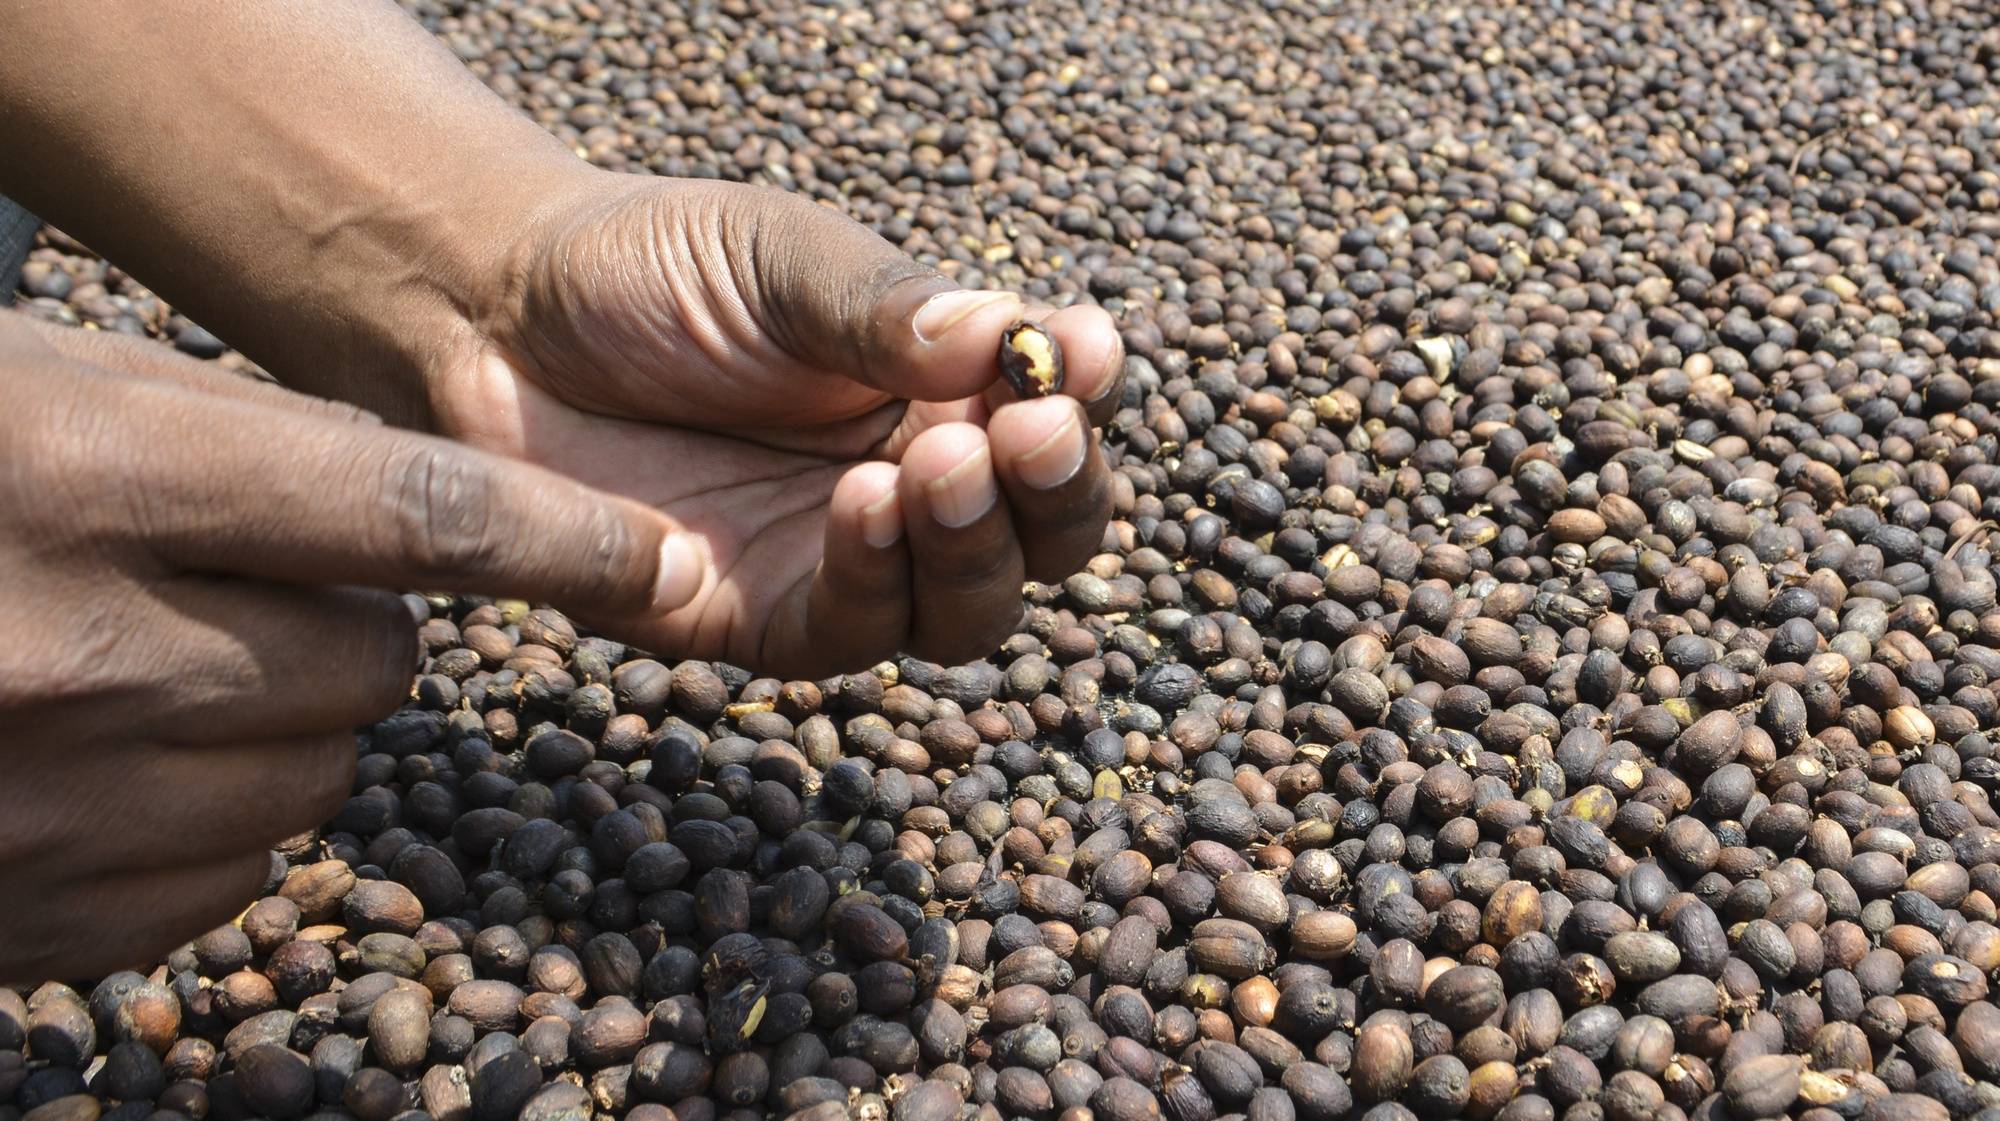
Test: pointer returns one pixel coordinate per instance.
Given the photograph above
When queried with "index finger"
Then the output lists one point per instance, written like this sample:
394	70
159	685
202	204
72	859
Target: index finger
233	486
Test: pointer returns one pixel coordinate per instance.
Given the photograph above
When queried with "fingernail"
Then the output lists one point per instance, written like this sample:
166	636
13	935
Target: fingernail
682	570
882	522
945	310
1057	459
1113	376
963	495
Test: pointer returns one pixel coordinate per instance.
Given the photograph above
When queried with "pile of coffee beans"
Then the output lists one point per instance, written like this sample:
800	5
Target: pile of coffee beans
1542	666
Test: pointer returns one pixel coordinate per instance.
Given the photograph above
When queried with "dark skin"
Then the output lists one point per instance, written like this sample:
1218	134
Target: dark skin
776	440
193	569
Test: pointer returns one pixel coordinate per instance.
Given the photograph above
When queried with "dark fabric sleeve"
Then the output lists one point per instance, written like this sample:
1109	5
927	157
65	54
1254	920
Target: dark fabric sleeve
17	236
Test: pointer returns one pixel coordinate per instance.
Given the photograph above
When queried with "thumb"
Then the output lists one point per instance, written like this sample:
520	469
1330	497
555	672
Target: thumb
834	294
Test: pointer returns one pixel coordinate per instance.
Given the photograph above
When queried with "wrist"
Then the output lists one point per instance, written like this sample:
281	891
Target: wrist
338	232
424	279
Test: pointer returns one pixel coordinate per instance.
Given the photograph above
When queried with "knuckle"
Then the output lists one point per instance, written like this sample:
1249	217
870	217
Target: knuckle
61	458
848	269
441	507
84	651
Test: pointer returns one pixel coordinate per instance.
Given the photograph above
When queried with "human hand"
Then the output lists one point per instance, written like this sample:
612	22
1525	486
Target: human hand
187	655
739	358
822	410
